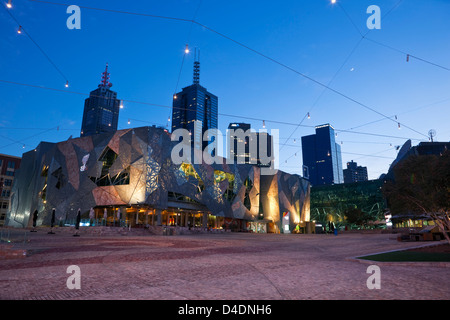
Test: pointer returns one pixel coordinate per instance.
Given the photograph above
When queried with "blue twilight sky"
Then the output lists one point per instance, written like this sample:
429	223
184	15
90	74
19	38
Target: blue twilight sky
315	38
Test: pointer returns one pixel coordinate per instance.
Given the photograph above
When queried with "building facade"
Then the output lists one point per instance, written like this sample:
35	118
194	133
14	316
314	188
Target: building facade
329	203
322	161
129	176
101	109
355	173
8	167
248	146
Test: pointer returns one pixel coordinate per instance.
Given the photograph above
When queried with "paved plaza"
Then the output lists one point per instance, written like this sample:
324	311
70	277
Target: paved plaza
227	266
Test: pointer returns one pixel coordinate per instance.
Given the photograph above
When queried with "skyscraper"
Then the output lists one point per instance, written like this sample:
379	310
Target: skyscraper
101	109
195	105
322	161
243	155
355	173
240	142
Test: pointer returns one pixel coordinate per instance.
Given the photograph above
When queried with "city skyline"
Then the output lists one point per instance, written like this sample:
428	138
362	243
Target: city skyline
319	40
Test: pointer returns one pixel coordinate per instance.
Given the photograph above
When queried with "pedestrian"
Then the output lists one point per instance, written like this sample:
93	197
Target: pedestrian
91	216
105	215
35	216
119	213
77	224
52	222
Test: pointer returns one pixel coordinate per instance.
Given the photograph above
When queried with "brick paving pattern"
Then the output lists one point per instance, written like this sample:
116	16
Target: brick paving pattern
230	266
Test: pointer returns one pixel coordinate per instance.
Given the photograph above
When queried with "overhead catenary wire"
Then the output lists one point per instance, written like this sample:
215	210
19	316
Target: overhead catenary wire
401	113
363	36
248	48
344	62
23	30
407	54
243	117
221	114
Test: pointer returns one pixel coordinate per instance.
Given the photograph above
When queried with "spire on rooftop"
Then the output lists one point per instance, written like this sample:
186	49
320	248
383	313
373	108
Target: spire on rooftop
105	79
197	67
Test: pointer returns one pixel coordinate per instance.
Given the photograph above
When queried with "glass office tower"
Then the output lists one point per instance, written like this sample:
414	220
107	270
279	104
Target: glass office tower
101	109
239	145
195	106
322	159
194	103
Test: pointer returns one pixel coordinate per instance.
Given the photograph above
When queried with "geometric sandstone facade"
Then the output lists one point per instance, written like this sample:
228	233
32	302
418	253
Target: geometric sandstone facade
131	171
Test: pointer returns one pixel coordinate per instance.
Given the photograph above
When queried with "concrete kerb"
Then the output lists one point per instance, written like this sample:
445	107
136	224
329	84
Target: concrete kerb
403	263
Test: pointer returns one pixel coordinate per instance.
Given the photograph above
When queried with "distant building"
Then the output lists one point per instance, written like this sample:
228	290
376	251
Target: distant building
101	109
8	167
235	141
240	142
423	148
322	161
355	173
195	106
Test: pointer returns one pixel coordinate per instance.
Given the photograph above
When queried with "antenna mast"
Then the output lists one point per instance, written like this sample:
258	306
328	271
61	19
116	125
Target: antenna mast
197	67
105	79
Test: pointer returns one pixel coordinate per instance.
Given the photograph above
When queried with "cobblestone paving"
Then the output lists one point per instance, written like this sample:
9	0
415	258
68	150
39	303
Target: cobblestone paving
215	267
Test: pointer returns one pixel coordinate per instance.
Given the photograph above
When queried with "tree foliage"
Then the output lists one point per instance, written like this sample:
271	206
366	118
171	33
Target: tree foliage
421	186
357	216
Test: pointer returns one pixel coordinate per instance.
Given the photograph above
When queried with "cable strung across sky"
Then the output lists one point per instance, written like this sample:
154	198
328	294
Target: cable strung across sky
250	49
296	37
22	29
221	114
